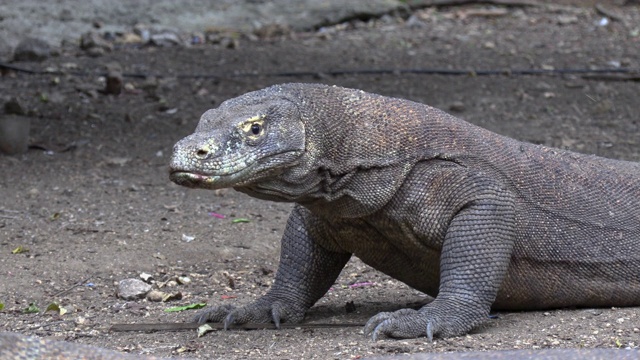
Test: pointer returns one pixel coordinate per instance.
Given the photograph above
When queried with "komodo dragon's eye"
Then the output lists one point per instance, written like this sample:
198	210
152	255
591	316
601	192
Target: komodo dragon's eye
256	128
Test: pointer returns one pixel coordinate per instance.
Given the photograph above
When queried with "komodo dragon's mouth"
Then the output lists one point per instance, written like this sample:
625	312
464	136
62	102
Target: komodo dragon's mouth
202	181
189	179
237	176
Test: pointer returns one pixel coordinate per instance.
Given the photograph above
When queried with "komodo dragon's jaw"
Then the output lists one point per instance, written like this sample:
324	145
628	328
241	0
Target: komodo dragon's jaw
239	176
242	143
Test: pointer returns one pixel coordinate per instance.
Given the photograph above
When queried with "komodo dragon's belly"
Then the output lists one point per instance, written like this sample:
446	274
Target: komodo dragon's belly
385	248
544	285
559	261
542	274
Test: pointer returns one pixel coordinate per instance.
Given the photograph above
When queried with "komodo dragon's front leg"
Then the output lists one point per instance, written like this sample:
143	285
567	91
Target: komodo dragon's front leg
305	273
478	216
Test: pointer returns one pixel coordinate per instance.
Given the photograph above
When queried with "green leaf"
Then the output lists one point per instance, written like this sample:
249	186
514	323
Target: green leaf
19	250
57	308
32	309
1	306
52	307
240	220
186	307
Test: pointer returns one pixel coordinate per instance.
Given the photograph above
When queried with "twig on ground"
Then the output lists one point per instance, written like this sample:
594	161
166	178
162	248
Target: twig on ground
612	77
429	3
609	13
80	283
248	326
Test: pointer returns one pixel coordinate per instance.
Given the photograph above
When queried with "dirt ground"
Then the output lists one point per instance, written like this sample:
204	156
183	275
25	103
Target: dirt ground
92	202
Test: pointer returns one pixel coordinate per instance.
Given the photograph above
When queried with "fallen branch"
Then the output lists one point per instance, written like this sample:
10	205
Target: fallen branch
612	77
429	3
609	13
79	283
362	72
220	326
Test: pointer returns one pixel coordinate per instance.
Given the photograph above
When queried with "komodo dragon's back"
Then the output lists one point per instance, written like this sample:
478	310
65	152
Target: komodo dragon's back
473	218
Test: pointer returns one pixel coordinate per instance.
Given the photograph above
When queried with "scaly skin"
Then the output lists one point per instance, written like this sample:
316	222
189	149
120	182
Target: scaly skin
475	219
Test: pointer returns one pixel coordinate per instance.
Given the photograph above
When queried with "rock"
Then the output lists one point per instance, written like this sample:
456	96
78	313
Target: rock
148	278
67	19
161	296
272	30
13	107
114	79
183	280
131	289
14	134
165	39
32	49
130	38
457	106
155	295
142	32
415	23
94	44
225	38
567	19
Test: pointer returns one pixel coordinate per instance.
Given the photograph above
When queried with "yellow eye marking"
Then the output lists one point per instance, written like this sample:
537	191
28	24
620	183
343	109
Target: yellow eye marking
246	125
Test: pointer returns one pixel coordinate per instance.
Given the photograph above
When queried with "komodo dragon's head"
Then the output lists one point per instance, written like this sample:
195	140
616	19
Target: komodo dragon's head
246	140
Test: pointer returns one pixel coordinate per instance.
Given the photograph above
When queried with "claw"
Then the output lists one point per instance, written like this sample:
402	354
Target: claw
374	322
228	321
430	331
367	329
275	316
200	318
376	331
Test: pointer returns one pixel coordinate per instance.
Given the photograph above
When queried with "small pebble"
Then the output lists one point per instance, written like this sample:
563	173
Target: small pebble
457	106
156	295
13	107
32	49
148	278
131	289
94	44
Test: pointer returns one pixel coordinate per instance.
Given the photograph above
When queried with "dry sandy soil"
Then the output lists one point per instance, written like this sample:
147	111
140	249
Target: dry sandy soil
98	207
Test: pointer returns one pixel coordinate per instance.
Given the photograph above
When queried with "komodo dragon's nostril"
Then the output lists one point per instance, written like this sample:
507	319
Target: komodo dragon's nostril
203	152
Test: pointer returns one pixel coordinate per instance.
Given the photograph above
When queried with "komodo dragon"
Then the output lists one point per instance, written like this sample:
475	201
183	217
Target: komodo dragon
475	219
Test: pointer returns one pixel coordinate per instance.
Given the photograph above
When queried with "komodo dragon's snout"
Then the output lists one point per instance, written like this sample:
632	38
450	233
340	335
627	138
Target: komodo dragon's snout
237	144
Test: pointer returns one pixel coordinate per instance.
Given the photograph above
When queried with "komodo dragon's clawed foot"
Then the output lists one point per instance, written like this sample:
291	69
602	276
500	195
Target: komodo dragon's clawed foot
409	323
213	314
261	311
